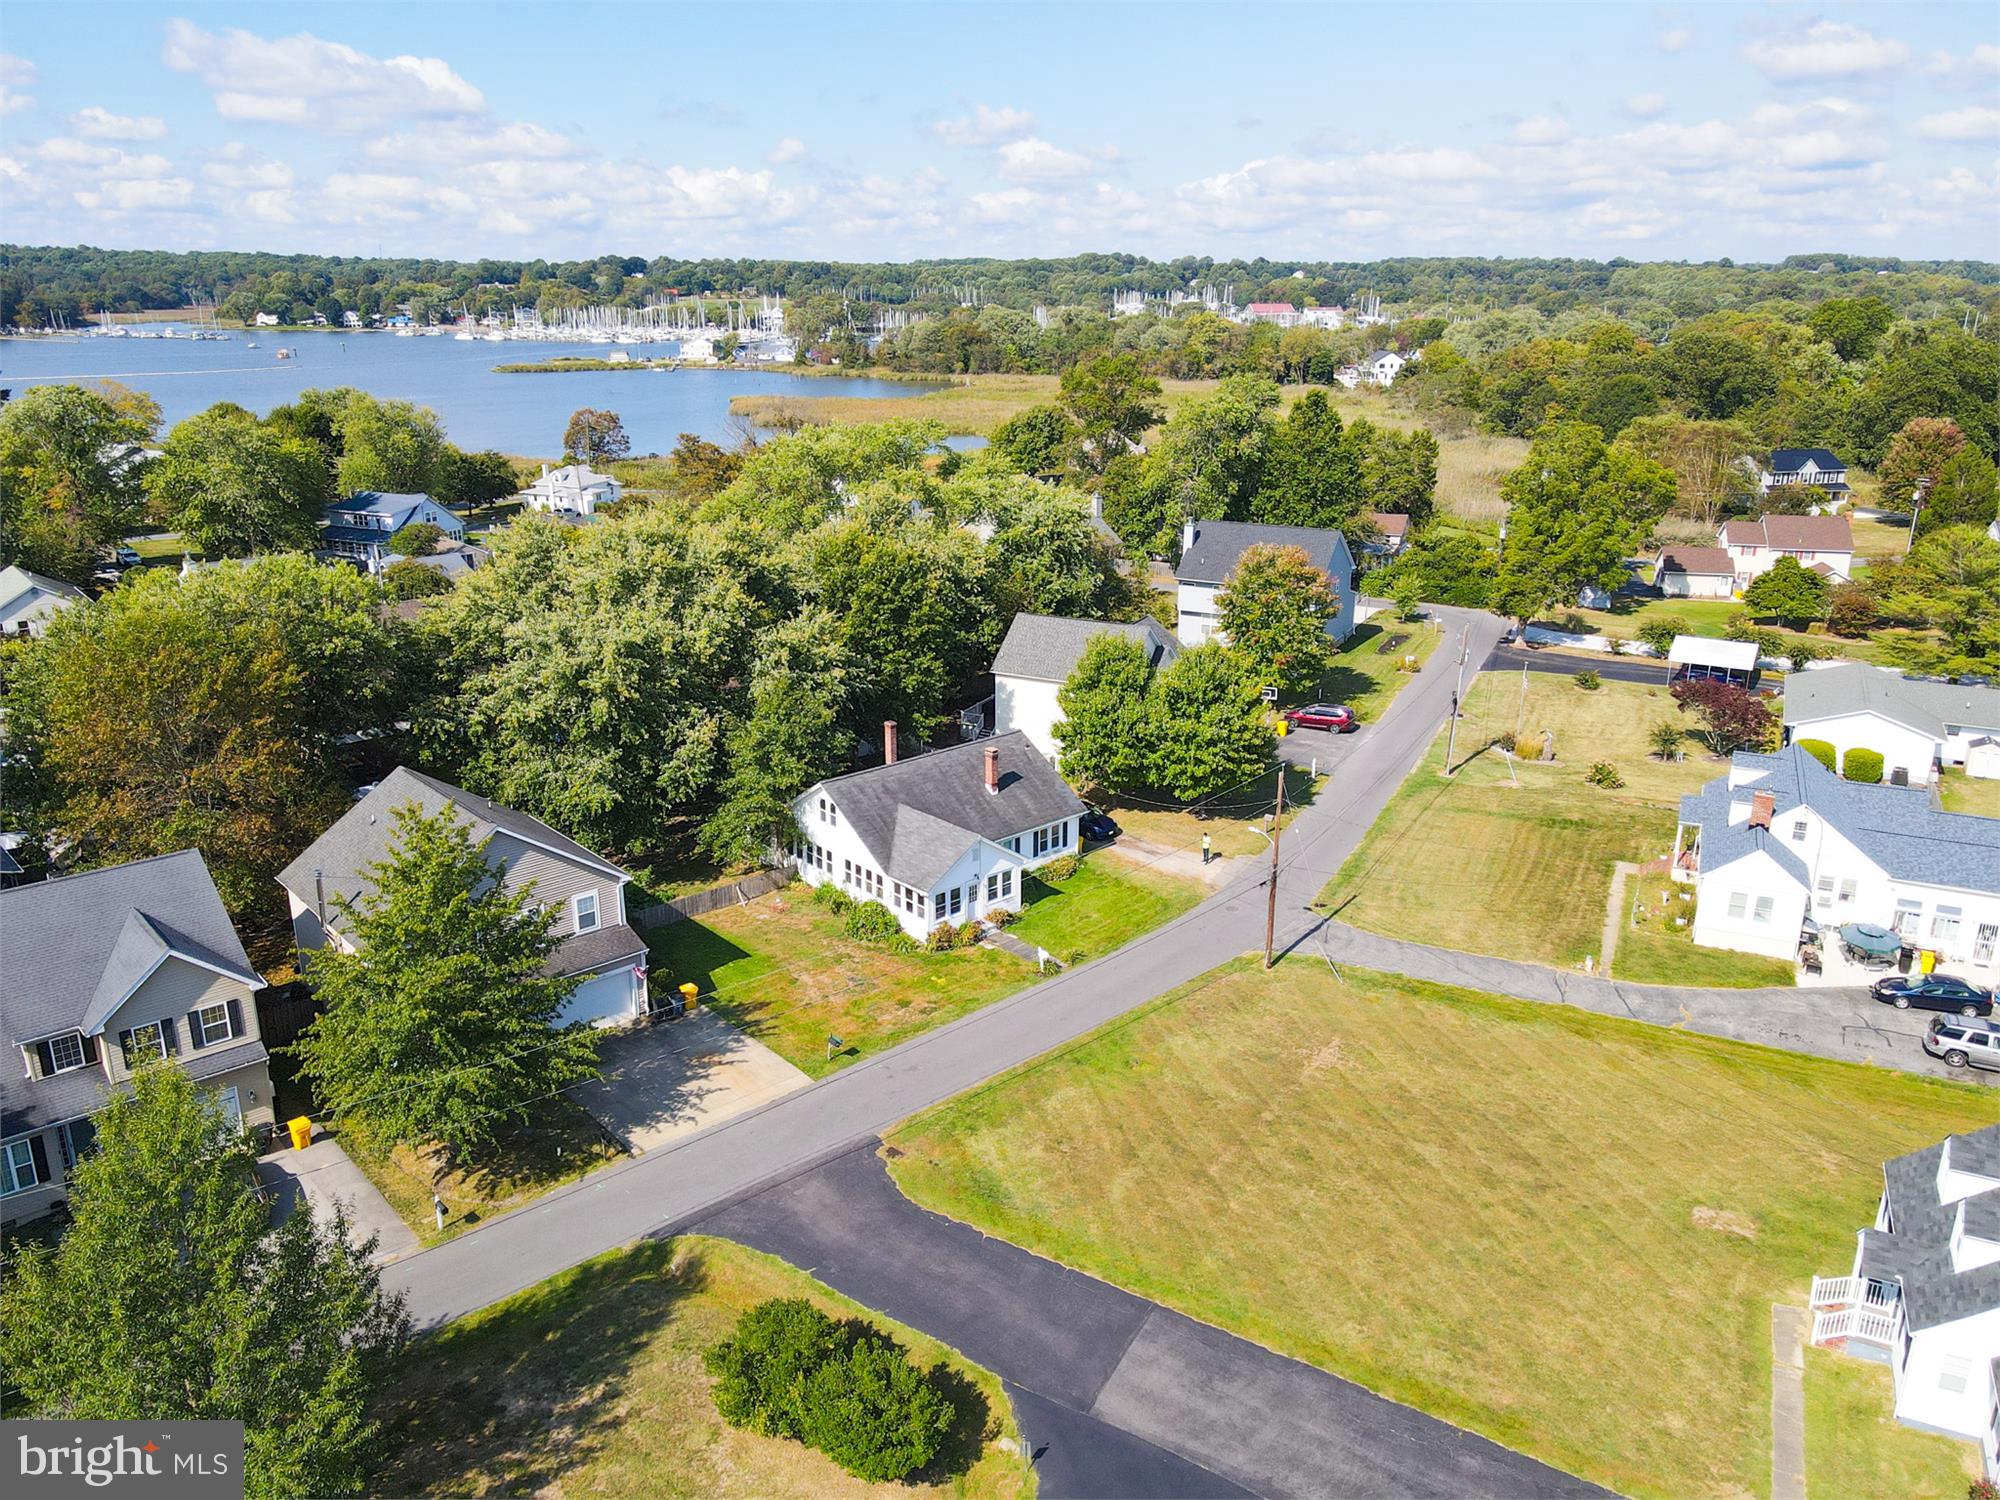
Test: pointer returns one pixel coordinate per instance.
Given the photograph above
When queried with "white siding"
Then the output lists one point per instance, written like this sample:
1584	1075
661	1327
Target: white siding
609	999
1029	705
1755	878
1901	747
1696	585
1921	1396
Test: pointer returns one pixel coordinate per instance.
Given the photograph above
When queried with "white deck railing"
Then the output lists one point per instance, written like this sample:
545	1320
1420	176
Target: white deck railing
1835	1291
1864	1324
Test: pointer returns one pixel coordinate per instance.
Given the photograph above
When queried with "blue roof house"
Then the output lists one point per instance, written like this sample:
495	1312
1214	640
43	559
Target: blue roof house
359	527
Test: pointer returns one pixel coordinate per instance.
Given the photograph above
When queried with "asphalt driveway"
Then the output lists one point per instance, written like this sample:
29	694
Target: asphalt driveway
1116	1395
1647	670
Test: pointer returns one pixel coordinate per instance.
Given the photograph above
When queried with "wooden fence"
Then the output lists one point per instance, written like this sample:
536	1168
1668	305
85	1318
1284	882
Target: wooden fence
283	1012
694	904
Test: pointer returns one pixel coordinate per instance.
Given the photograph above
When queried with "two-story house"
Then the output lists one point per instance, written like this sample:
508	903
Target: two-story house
1805	466
1923	1296
1037	658
1823	543
1382	367
572	490
359	527
1916	724
587	892
943	837
102	973
1781	838
1210	551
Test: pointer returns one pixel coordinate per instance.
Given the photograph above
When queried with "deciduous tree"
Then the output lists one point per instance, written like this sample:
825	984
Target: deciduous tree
1113	402
1576	509
1731	718
70	474
1917	455
1790	591
1105	726
1209	730
1705	459
1274	609
1312	475
1966	492
233	486
595	436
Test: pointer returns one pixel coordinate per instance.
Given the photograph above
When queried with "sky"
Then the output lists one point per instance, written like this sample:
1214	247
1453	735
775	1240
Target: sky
890	132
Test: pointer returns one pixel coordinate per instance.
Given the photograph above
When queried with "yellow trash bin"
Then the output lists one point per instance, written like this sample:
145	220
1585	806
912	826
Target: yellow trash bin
1926	960
302	1132
1284	727
688	993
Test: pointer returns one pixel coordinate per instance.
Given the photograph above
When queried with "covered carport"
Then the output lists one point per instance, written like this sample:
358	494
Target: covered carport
1700	658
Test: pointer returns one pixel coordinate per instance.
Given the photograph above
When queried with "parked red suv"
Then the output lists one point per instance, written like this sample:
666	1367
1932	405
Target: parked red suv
1337	717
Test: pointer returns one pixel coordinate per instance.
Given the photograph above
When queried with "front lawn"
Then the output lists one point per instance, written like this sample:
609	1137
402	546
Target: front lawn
1162	823
1855	1445
591	1383
1110	900
1704	617
1366	678
1517	862
1560	1229
1964	794
1652	950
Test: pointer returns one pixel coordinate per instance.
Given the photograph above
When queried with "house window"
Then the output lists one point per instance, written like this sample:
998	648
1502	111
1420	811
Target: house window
1799	831
1846	891
65	1052
1825	897
951	902
1738	904
1041	842
1762	913
211	1025
999	884
1908	915
144	1043
1944	926
586	912
17	1167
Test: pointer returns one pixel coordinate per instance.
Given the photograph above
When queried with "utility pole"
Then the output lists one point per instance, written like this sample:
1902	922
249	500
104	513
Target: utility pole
1271	903
1457	688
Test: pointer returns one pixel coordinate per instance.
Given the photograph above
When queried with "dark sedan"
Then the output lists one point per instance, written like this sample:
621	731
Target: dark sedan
1337	717
1095	826
1933	992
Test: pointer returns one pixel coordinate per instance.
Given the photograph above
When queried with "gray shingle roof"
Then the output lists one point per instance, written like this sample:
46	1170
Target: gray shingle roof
362	834
1792	533
1917	1249
594	952
1791	460
917	816
1218	544
1854	687
1046	648
1894	826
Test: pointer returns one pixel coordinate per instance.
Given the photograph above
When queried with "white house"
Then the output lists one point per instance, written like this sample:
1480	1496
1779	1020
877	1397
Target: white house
1695	573
1282	313
1781	838
359	527
1916	724
1323	317
1382	367
1807	466
574	489
943	837
586	892
1923	1296
265	320
1392	533
1210	551
1036	659
1825	543
28	600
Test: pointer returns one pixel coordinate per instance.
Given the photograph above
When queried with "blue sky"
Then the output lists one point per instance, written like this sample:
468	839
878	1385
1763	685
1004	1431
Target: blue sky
853	131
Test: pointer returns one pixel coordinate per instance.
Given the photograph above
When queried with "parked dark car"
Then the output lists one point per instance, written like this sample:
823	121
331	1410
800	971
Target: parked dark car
1964	1044
1096	826
1933	992
1335	717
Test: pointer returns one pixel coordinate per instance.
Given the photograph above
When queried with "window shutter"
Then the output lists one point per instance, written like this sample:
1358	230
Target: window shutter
125	1046
46	1058
167	1035
235	1020
90	1049
195	1042
41	1156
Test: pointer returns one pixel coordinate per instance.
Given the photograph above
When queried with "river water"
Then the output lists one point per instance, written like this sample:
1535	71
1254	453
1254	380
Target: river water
520	414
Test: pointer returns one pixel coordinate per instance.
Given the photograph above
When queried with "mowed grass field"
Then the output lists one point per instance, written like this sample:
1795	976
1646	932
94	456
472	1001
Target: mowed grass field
1562	1230
592	1384
1518	863
1226	817
1652	950
1855	1446
1961	793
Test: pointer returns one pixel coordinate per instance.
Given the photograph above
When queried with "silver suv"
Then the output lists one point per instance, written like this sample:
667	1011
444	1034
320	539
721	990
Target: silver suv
1964	1044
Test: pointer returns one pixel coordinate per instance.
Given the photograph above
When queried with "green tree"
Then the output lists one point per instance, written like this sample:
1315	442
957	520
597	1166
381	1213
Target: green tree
1274	608
440	1025
1113	403
1040	440
1398	470
1704	457
1851	324
465	481
1209	728
595	436
418	539
1790	592
1966	492
70	477
392	446
1917	455
1716	375
169	1297
1105	723
1311	473
233	486
1576	509
406	579
1050	559
1950	582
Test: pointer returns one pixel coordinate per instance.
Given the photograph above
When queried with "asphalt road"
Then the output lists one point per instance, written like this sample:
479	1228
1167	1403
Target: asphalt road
1125	1397
1546	659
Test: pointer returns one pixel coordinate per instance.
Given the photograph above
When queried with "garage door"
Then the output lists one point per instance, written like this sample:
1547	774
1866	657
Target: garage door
603	1001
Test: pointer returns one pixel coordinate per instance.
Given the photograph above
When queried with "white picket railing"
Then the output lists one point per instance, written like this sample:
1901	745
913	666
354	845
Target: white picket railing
1835	1291
1863	1323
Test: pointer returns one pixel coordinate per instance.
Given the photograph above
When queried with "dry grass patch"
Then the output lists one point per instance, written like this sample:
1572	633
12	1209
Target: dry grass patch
1963	794
1483	1207
1227	818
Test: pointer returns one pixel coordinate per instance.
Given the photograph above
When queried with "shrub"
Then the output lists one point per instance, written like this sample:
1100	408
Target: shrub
1819	750
1603	773
418	539
1664	739
943	938
1862	764
1588	680
1731	718
1001	916
1056	871
1851	610
849	1390
1573	624
1660	633
832	897
969	933
872	922
1802	652
1616	644
1982	1489
405	579
1504	741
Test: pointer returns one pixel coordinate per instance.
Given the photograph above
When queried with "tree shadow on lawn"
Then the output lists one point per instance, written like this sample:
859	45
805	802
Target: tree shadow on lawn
973	1425
527	1393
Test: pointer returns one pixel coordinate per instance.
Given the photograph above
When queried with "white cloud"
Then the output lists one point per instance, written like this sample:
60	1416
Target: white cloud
1541	130
791	148
460	145
303	80
138	194
16	73
1979	122
985	126
237	172
1981	64
1829	49
1035	160
1645	106
100	124
1678	39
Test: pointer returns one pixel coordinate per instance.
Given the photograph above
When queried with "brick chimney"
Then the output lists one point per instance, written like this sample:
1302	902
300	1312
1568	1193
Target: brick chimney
1762	805
992	771
888	742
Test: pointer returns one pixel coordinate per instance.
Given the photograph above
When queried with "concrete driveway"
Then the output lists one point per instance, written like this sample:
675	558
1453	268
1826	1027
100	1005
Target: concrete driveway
324	1175
1117	1395
671	1079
